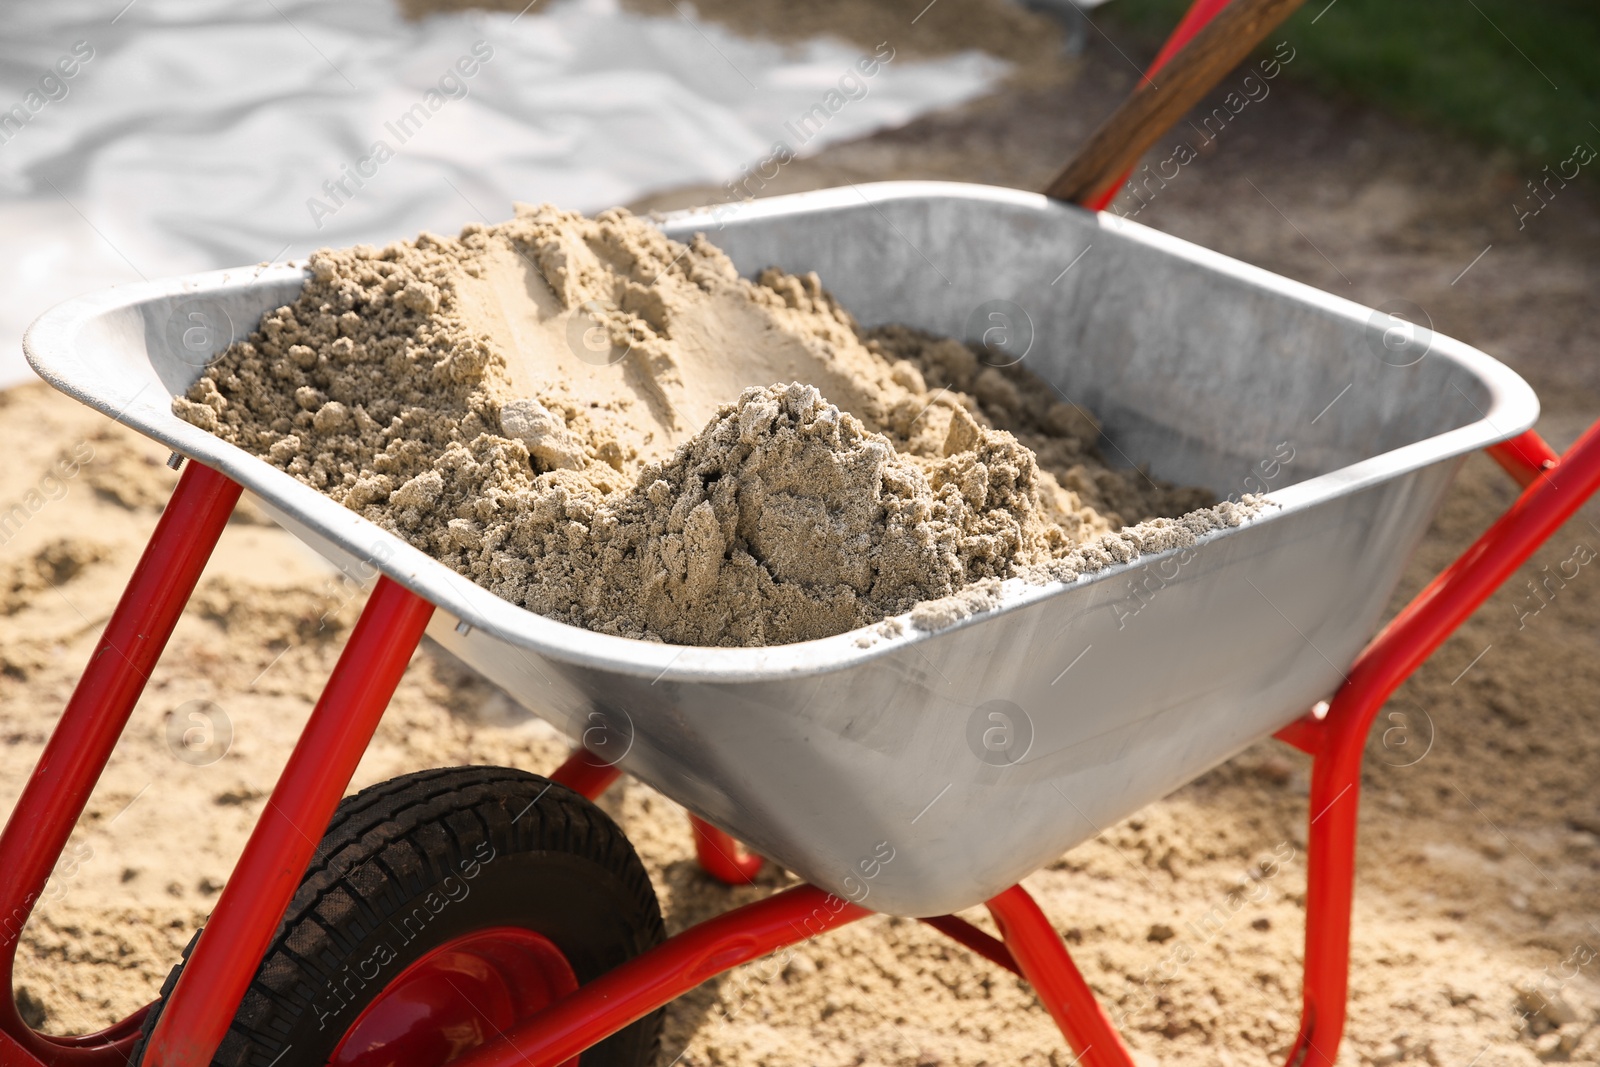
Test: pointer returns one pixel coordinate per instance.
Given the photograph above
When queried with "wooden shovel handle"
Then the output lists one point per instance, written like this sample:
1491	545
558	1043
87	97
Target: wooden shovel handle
1153	106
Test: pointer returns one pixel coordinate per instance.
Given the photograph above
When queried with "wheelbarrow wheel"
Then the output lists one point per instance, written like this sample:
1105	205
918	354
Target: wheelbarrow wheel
440	909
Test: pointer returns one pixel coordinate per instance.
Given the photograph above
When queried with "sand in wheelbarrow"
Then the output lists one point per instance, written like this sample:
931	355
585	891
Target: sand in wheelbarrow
618	431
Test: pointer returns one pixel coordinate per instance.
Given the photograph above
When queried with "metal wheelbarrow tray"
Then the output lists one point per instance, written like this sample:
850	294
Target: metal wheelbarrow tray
975	754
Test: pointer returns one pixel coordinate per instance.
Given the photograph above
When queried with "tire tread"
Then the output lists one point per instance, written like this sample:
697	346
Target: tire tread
407	829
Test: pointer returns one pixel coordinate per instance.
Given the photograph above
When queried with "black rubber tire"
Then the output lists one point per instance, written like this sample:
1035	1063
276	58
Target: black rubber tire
557	865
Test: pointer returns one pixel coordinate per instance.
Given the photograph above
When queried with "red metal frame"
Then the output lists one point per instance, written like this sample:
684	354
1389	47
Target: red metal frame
1557	491
964	933
721	856
585	773
1048	967
666	972
1524	457
718	853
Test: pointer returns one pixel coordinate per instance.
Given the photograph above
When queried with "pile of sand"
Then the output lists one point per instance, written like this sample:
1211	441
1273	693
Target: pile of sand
543	405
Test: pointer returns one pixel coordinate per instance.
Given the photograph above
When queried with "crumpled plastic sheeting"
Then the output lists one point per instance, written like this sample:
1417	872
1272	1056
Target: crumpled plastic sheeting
199	135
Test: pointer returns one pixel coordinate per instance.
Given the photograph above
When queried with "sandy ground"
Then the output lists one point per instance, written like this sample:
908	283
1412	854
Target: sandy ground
1481	831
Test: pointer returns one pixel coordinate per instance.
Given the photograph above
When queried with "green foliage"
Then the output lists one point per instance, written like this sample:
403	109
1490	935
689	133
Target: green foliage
1523	75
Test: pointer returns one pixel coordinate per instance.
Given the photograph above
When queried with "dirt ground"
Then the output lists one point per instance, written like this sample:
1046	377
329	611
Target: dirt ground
1480	835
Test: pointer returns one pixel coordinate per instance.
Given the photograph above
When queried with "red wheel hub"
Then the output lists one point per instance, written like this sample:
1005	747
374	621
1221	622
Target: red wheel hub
462	994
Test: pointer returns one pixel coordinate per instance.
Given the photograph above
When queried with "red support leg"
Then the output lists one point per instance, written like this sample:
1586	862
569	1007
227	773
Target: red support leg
1338	741
275	858
666	972
1039	951
94	719
584	773
721	856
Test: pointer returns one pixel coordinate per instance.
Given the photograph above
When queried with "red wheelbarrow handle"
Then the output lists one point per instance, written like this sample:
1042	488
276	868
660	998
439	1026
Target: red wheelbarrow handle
95	716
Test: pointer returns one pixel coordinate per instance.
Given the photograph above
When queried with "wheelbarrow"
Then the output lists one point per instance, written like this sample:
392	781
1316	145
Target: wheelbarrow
494	916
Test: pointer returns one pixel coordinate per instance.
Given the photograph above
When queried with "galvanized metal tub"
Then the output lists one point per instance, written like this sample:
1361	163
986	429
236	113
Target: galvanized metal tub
922	773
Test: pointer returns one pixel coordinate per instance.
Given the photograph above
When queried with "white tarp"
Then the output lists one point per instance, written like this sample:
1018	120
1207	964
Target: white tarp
164	138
